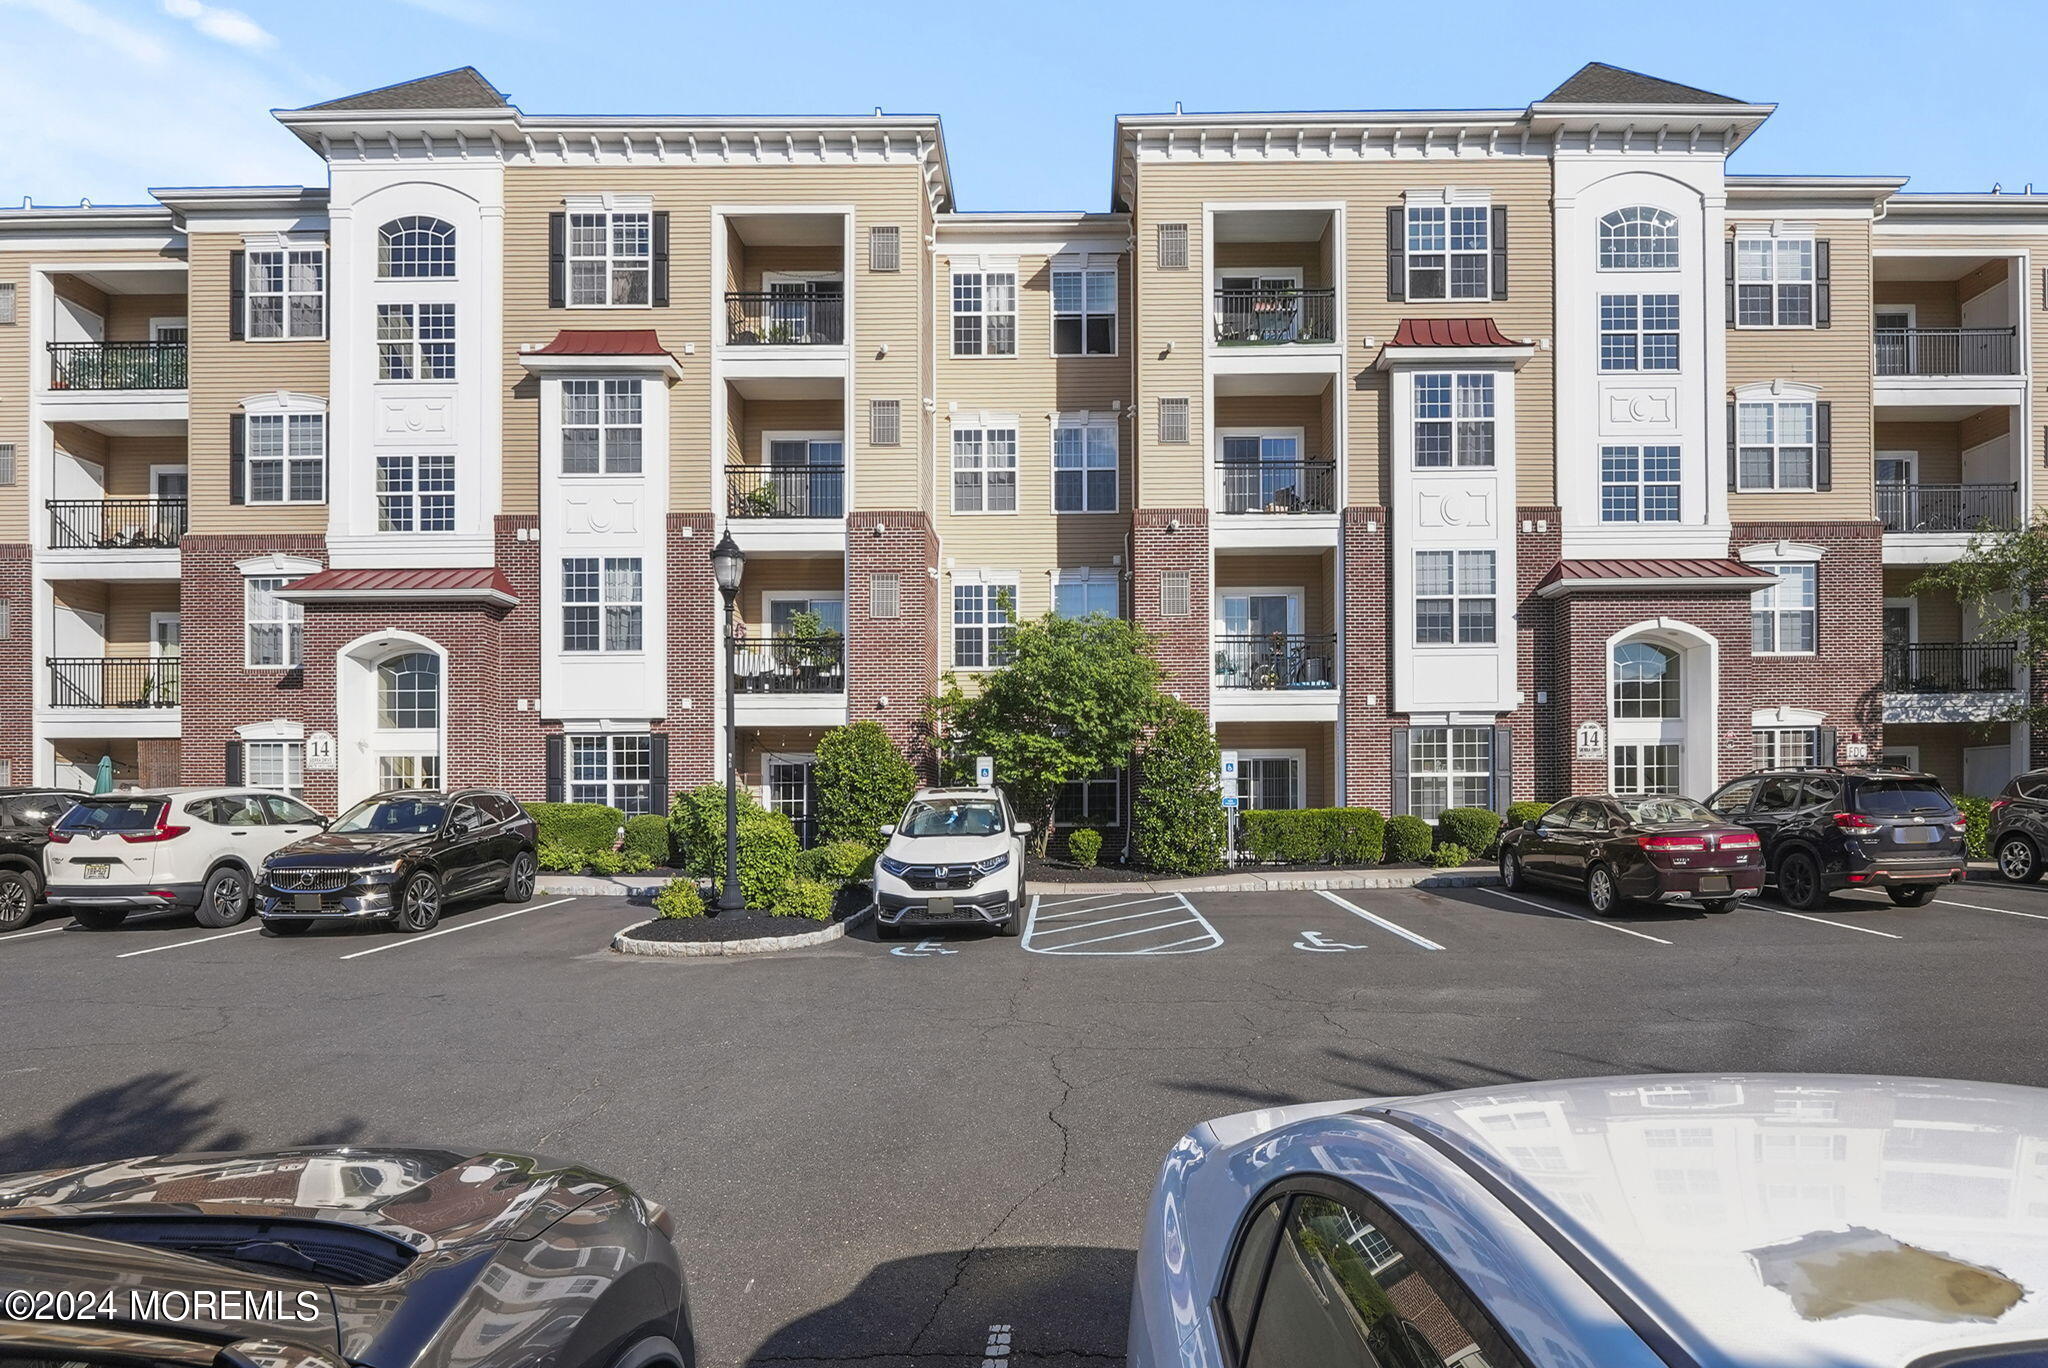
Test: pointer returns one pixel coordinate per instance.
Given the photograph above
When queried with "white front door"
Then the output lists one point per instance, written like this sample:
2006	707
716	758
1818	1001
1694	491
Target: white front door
789	790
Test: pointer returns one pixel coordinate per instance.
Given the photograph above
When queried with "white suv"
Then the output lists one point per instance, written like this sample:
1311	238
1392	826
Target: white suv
956	858
197	848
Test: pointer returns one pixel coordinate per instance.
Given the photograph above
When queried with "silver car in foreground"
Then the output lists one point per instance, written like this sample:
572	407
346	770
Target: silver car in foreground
1671	1221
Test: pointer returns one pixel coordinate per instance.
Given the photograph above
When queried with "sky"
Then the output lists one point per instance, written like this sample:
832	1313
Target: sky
105	98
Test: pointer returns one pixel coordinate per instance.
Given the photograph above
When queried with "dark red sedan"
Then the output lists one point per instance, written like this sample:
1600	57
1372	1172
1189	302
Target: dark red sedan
1660	848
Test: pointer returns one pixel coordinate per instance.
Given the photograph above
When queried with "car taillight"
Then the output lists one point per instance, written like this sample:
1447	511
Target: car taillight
1741	840
1855	823
159	832
1672	842
1999	804
1962	820
59	837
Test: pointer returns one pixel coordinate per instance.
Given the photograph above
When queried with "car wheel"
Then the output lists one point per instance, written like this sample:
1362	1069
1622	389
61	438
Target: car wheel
1911	897
1799	882
1718	904
100	918
1602	893
18	895
224	901
519	883
1014	925
286	928
1511	876
884	931
2018	860
419	904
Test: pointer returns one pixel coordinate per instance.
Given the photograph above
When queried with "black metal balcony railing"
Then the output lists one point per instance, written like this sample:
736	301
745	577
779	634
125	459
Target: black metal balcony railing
1947	351
1275	317
789	664
115	524
785	318
785	491
1951	667
1277	660
1905	507
117	365
114	682
1279	486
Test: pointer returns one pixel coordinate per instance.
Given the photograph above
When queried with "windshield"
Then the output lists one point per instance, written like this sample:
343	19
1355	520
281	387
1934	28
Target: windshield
1903	798
954	817
404	816
1665	810
112	814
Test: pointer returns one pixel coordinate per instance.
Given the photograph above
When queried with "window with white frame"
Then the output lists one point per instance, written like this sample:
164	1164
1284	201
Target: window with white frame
601	427
415	247
1638	332
1453	420
601	603
285	293
409	692
1774	444
1085	595
1774	278
1639	484
1084	311
1449	767
279	765
1781	617
1646	769
985	469
611	258
614	770
415	341
1786	747
287	457
1450	247
274	630
1269	782
1639	238
1454	597
1646	682
1084	468
1090	802
985	313
983	612
416	492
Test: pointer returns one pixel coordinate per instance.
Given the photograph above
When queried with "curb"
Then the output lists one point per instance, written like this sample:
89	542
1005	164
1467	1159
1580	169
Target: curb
761	945
623	886
1275	883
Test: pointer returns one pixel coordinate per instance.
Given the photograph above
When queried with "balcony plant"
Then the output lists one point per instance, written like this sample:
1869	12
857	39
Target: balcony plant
759	502
809	644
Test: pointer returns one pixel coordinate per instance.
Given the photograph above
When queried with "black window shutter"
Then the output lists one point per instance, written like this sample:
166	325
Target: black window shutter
1823	446
1731	282
1823	293
1397	252
1734	450
1824	746
1500	251
238	459
232	771
1399	805
1503	771
558	261
554	768
661	260
657	771
238	293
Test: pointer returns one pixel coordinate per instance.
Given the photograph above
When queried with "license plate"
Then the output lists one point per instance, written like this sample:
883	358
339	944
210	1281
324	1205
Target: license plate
1714	883
939	907
306	902
1926	835
95	871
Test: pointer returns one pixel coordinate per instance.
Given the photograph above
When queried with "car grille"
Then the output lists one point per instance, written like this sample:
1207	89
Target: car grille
937	878
311	880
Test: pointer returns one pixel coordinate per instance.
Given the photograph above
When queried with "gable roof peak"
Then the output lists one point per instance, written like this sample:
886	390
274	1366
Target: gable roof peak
462	88
1602	83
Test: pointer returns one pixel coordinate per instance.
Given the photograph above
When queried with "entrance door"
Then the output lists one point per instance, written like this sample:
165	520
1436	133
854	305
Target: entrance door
807	475
1896	473
1252	638
1258	308
792	792
1894	341
805	311
1268	783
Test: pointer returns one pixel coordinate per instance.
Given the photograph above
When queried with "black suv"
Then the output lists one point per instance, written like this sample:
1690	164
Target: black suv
1831	828
26	816
399	857
2019	827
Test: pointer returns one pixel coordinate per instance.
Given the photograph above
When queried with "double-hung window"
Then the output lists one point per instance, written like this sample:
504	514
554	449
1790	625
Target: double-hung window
1638	332
1787	747
1078	596
1449	767
416	493
610	258
617	771
1089	802
286	293
985	469
1454	597
1084	468
601	603
1774	279
985	313
279	765
1453	420
1449	248
983	612
415	341
601	427
287	457
1084	311
1781	617
1639	484
1774	444
274	629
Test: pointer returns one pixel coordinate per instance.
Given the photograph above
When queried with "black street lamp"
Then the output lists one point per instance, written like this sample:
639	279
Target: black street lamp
728	563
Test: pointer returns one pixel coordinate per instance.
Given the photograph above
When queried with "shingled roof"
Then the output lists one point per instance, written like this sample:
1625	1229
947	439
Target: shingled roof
1599	83
462	88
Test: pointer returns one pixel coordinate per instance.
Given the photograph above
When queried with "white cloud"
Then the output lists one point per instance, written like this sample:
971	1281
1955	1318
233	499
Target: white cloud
228	26
82	19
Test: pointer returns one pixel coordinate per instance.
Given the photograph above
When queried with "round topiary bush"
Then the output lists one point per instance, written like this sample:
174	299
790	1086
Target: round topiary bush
1176	814
862	782
1084	847
1408	839
1470	827
680	898
1450	855
812	898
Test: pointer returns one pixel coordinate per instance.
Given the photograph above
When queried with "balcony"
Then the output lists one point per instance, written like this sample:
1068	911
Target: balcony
1951	667
128	682
785	491
1280	488
102	366
1277	660
783	665
1270	317
116	524
1945	352
785	318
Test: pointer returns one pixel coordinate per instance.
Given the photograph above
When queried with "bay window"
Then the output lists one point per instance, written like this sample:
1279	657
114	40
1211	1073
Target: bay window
1454	420
601	427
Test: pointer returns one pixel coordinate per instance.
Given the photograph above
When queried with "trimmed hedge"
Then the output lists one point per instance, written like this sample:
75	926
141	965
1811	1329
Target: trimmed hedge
680	898
1408	839
647	839
862	781
835	862
767	842
1084	847
588	827
1977	835
1176	814
1450	855
1312	836
1472	828
1519	813
810	898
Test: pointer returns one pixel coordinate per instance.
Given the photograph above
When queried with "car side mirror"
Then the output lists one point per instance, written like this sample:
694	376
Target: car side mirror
887	829
1531	823
1022	828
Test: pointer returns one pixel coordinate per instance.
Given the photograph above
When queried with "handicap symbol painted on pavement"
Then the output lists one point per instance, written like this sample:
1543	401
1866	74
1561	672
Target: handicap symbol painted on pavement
922	949
1316	940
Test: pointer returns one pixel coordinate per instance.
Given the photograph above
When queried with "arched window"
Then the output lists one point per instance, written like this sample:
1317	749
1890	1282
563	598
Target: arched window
413	246
1639	238
409	692
1645	681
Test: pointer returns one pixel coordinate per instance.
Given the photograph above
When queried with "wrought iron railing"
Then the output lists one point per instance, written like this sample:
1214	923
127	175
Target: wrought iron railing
784	318
115	524
1951	667
789	664
1278	486
1948	351
114	682
117	365
785	491
1277	660
1275	317
1903	507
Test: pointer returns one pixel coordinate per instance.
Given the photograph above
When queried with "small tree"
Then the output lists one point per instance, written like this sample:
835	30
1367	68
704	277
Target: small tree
2003	576
862	781
1177	824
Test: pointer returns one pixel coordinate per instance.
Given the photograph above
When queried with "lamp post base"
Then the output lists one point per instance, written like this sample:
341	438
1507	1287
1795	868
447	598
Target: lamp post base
732	903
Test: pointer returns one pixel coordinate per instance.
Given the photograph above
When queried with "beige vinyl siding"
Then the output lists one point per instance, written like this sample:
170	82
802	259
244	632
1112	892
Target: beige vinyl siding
756	262
760	417
778	575
1316	739
129	606
1934	302
1309	412
125	460
1936	445
757	743
128	316
1313	575
1310	258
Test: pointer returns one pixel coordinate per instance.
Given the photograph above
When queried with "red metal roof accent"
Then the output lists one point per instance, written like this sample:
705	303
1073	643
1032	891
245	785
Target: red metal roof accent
1671	569
1450	332
603	342
482	582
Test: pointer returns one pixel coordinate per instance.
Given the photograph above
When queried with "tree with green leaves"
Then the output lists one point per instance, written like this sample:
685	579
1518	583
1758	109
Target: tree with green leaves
862	782
2003	577
1177	824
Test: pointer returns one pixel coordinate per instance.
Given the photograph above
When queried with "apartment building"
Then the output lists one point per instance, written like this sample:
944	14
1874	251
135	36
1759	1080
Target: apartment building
1452	456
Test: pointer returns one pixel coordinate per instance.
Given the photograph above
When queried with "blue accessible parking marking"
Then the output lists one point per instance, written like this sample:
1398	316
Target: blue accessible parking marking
1120	923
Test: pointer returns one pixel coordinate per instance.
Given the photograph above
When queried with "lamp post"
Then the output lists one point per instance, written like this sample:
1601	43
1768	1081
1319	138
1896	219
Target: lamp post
728	562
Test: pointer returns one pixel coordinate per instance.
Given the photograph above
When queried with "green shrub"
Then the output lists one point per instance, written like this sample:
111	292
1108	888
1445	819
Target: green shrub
1358	836
862	782
606	862
680	898
810	898
588	827
1470	827
647	839
1977	835
560	859
1313	836
1176	814
696	825
1084	847
1450	855
1408	839
835	863
1519	813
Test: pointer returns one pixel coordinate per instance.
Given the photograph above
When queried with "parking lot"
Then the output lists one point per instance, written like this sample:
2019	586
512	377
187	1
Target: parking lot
884	1151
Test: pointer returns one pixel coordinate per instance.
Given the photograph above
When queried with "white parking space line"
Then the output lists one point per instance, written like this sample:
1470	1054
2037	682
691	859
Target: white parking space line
1355	910
180	945
1845	926
1575	916
451	930
1980	907
24	935
1051	928
1106	907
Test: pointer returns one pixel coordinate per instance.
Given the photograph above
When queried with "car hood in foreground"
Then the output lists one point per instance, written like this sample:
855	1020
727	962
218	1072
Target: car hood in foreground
349	848
946	850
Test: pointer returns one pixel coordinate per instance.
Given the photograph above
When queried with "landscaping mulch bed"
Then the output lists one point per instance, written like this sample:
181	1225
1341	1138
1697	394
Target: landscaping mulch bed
705	930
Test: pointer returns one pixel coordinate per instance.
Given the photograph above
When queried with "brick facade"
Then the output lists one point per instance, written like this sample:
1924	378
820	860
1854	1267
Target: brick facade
1542	739
1368	668
17	662
694	608
1166	540
218	692
1843	678
893	658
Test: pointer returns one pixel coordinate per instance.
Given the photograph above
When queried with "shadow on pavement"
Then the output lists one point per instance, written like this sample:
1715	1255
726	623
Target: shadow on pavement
151	1113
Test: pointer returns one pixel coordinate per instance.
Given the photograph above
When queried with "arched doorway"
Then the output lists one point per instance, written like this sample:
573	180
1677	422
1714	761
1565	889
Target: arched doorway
393	714
1661	710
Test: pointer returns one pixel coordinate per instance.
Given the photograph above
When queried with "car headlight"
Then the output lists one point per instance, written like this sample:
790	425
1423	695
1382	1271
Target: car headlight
992	864
894	868
383	867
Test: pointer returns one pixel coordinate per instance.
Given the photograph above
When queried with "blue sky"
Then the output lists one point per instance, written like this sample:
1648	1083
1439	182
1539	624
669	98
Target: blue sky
108	97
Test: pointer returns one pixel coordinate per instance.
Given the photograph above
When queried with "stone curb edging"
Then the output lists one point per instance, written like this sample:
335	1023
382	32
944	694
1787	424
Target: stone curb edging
760	945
